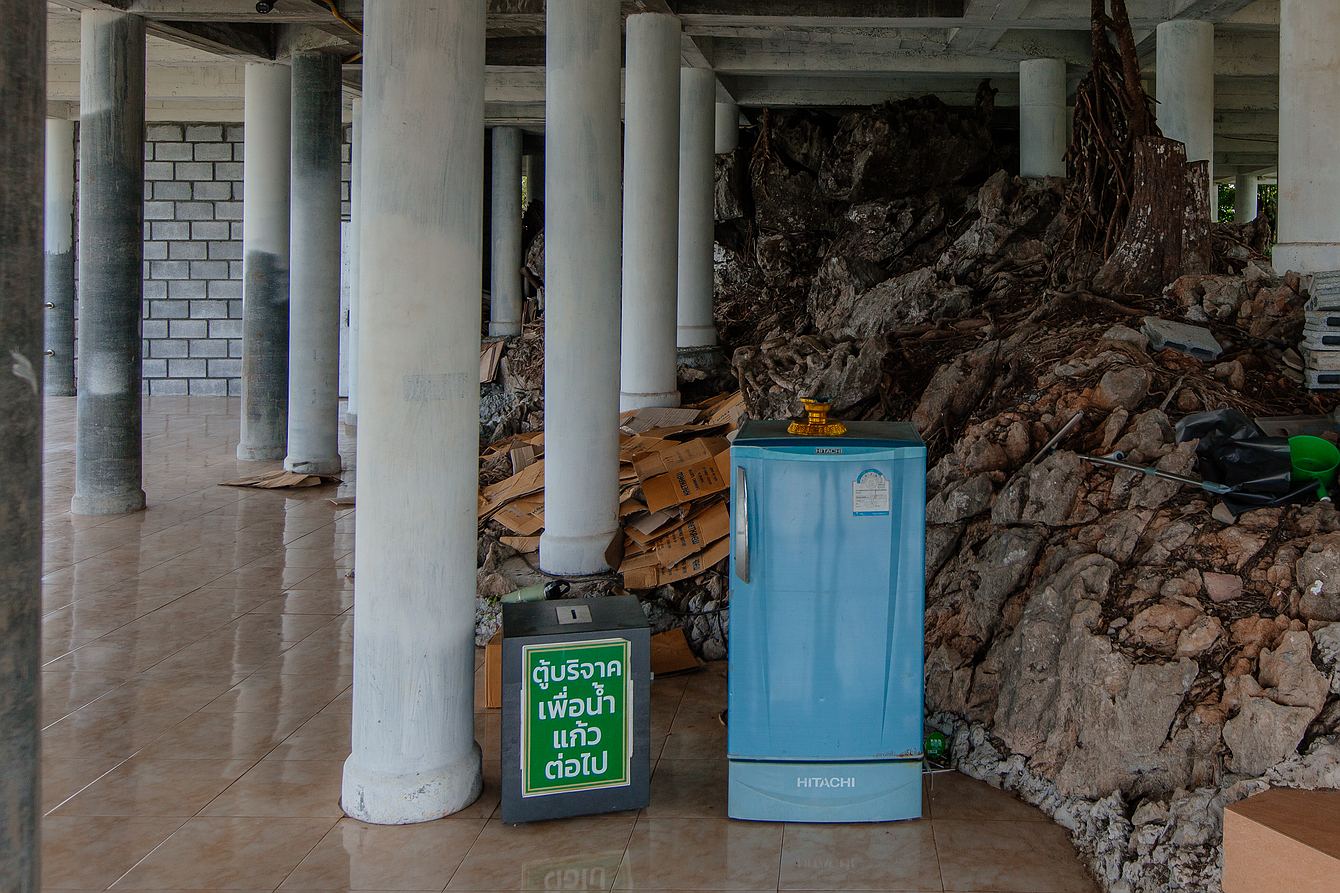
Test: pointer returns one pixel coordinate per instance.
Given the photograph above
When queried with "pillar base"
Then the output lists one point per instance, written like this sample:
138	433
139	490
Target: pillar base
695	336
404	798
629	401
252	454
575	555
313	466
504	329
108	503
1306	257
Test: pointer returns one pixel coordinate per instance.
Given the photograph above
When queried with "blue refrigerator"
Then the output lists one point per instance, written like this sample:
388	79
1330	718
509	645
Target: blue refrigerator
827	596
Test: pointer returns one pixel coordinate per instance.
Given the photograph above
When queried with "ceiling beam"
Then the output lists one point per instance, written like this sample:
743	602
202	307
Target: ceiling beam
804	9
836	91
240	39
256	41
1209	10
1004	12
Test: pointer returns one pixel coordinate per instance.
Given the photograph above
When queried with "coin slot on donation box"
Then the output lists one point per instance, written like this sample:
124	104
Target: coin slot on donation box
574	614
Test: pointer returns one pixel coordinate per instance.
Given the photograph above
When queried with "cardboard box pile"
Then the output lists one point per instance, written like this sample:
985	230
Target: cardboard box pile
674	478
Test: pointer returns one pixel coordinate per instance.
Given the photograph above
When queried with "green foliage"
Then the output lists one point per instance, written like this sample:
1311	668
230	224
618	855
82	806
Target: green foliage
1267	203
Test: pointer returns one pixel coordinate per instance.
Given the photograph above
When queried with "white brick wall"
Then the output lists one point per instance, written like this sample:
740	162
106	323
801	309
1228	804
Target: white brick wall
193	257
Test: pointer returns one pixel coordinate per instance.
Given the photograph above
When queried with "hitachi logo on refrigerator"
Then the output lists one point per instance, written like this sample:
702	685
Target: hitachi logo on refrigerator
819	781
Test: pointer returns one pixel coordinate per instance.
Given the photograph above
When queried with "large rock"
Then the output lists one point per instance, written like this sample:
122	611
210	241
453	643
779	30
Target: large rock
905	147
1076	707
913	299
774	377
1264	733
1290	677
1318	574
955	388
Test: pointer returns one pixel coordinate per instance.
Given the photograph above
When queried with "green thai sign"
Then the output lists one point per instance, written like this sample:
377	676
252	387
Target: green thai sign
576	717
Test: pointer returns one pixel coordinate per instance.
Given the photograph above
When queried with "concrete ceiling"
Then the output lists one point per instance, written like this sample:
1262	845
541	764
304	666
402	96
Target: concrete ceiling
765	53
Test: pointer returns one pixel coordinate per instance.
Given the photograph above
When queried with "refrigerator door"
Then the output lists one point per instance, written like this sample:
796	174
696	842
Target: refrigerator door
827	592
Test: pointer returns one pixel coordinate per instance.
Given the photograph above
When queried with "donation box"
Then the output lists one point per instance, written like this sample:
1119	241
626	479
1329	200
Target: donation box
576	712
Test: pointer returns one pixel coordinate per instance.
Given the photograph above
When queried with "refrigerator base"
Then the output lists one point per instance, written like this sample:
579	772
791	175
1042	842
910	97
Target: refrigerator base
774	791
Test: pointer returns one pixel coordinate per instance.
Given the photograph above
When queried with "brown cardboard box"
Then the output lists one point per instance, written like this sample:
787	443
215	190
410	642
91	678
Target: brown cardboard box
1283	839
670	456
691	537
670	654
646	572
493	671
688	482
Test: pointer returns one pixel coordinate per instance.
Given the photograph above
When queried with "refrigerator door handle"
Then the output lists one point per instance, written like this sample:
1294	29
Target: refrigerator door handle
741	525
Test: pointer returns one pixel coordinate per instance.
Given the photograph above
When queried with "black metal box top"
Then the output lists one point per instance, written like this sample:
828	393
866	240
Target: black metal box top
566	616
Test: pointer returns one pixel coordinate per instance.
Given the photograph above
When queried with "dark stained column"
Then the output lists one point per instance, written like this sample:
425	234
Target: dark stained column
265	226
59	250
23	98
314	267
108	467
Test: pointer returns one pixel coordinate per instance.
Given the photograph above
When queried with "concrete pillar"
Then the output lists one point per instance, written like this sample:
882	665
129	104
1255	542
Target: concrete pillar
107	467
1185	87
505	286
414	755
582	250
314	267
355	258
265	262
23	46
1042	118
1246	194
650	213
697	206
59	257
1309	178
727	127
533	170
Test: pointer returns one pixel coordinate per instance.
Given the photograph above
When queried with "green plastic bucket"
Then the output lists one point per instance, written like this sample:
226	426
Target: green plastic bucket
1314	459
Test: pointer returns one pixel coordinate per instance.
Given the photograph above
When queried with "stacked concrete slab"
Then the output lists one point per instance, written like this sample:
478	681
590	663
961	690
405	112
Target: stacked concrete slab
1321	334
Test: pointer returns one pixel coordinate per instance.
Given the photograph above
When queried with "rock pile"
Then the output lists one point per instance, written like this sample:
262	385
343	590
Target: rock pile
1096	640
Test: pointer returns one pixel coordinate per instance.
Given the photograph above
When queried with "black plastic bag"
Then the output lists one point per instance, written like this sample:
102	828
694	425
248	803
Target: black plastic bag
1233	450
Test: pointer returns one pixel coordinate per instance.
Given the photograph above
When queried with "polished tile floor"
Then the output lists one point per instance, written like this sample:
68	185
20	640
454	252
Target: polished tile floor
196	712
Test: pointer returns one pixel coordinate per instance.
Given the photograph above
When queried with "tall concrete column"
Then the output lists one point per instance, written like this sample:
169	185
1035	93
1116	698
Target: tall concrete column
533	170
1042	118
107	465
23	68
697	206
1185	87
314	267
727	127
650	213
1246	195
505	285
59	257
582	249
1309	178
265	261
414	755
355	259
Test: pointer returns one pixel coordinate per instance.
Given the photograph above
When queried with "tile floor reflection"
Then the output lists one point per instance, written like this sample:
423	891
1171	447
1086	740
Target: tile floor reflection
198	658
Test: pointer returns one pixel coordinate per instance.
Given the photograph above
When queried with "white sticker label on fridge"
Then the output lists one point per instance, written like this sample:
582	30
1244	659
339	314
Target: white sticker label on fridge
870	494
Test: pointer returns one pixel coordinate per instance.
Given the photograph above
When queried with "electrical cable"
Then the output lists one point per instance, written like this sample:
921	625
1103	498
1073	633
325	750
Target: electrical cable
340	17
334	9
